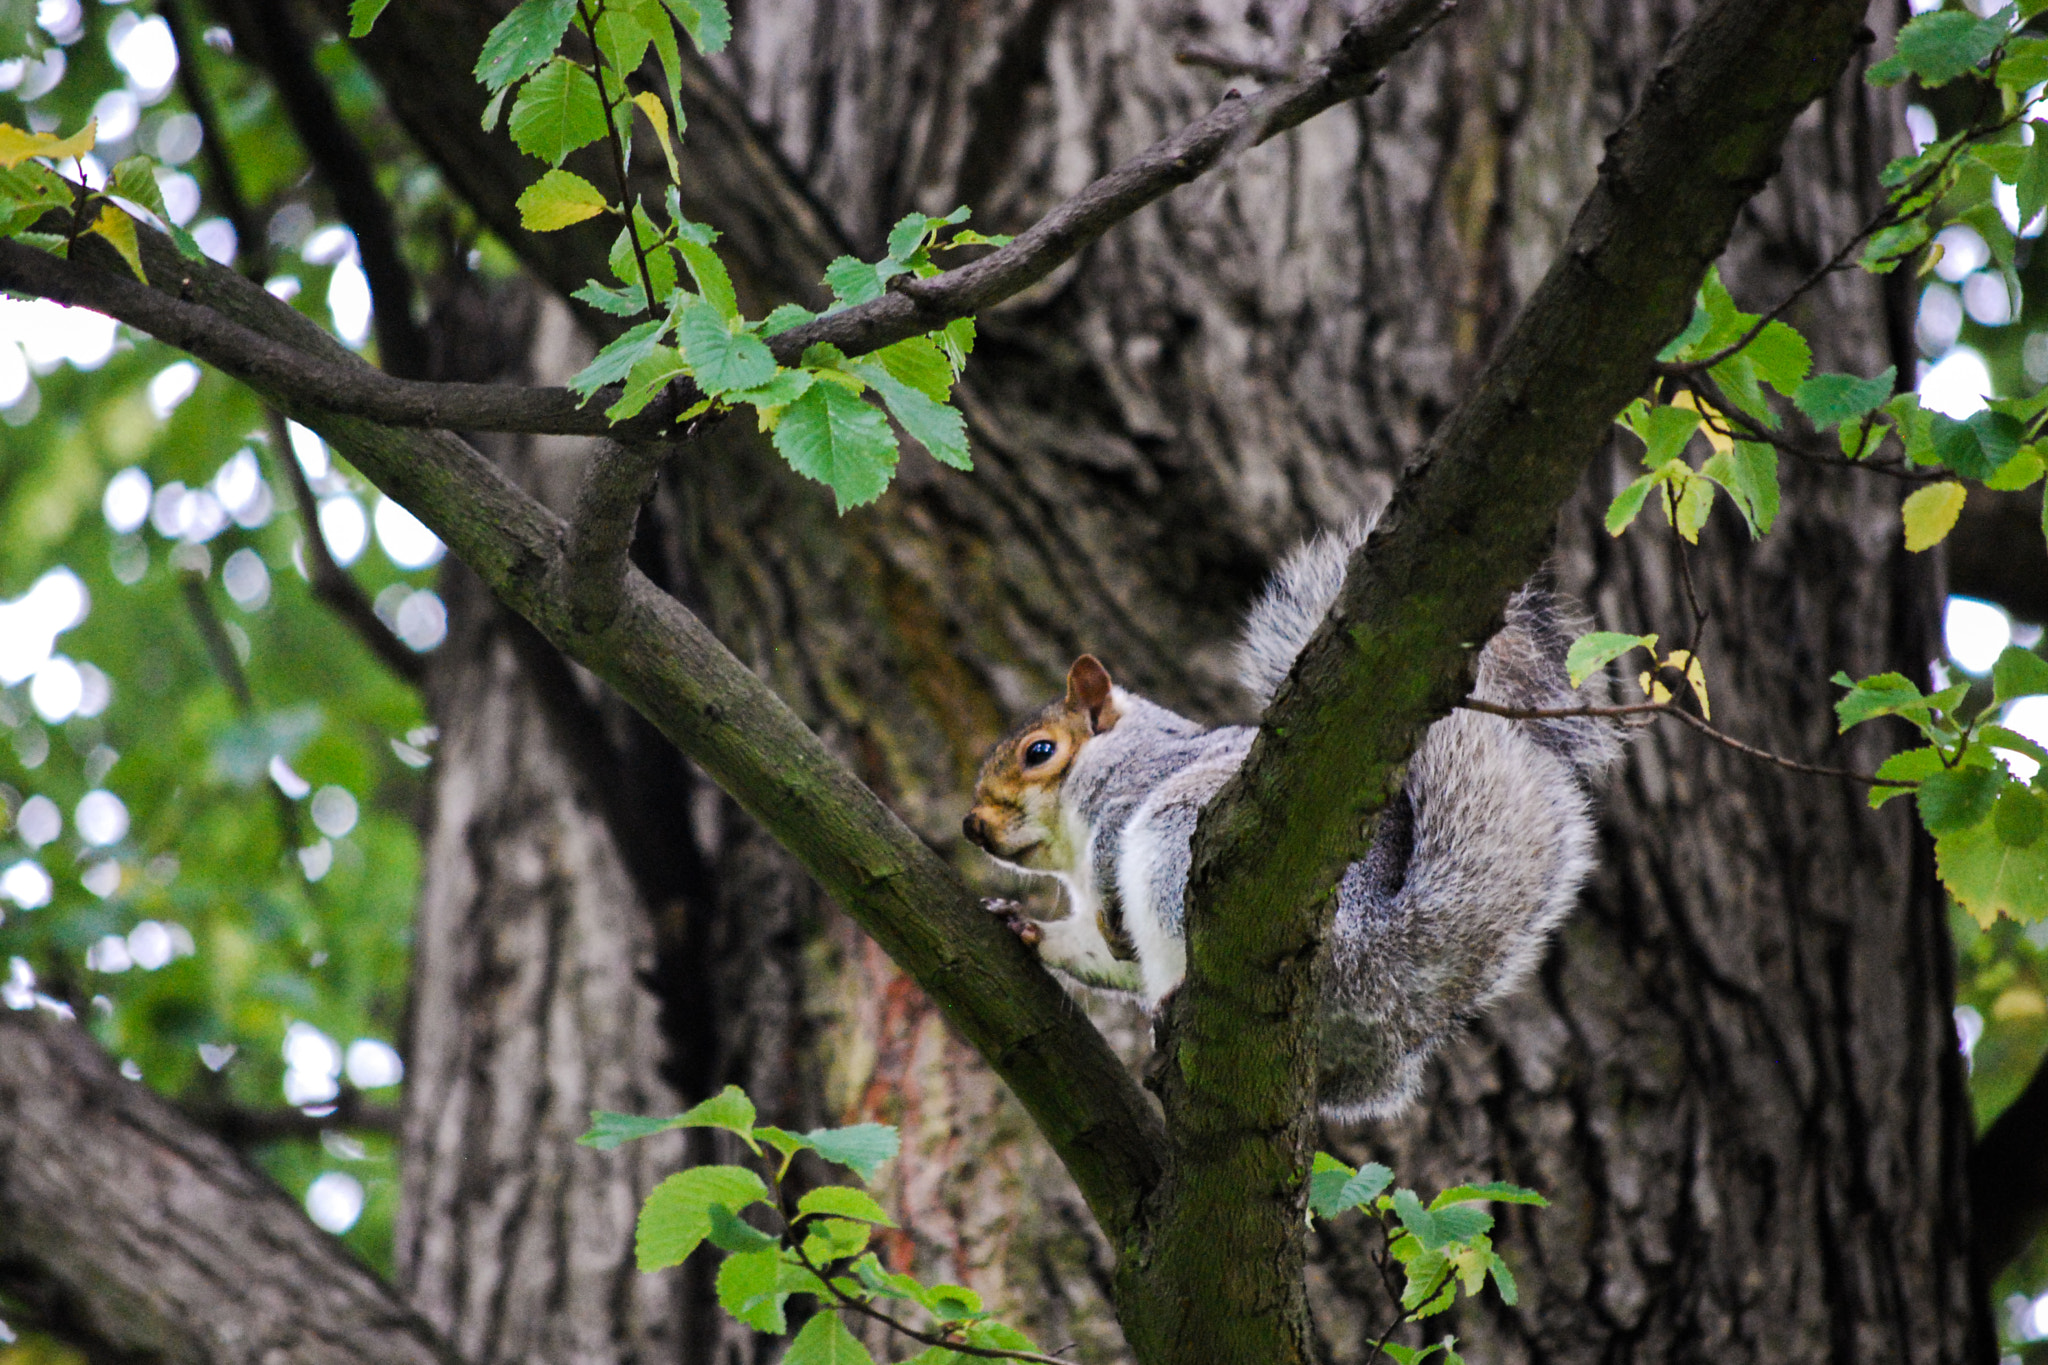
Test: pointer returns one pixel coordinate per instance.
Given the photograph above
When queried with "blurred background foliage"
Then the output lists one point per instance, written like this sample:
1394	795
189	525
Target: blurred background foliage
236	929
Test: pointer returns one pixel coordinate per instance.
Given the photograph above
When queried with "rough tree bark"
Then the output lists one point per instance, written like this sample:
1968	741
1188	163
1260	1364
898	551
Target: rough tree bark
1736	1079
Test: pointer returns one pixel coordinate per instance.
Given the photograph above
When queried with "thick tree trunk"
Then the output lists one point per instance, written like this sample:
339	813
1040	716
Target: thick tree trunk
1737	1077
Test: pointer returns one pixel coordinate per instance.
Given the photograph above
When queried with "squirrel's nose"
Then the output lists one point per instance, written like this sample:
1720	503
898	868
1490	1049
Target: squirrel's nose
976	829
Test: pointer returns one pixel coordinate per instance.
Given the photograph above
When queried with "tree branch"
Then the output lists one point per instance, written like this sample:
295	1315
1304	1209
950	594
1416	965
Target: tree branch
137	1229
617	482
1472	522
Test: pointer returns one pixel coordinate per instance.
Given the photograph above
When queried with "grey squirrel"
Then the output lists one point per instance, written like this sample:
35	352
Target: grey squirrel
1473	865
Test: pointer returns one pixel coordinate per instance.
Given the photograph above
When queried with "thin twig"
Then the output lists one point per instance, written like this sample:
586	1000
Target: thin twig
1230	64
1668	709
331	583
616	139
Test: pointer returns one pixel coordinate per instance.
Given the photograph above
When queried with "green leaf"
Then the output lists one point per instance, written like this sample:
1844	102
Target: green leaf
1694	504
2020	817
1461	1222
852	282
956	339
1367	1185
2021	471
1941	46
824	1340
625	262
645	381
676	1218
832	436
522	41
1726	322
747	1289
786	387
834	1239
1429	1234
712	281
1595	650
1504	1281
1663	431
2033	184
1930	513
1956	798
1998	737
721	359
496	106
1628	503
1326	1181
908	235
784	317
1409	1355
623	40
557	112
861	1146
1890	71
919	363
2024	65
2018	673
1885	249
1755	484
620	303
1681	346
608	1130
938	427
730	1232
708	23
1828	399
1781	357
729	1109
1499	1191
1909	765
1737	376
1990	877
1882	694
618	358
362	16
846	1202
557	200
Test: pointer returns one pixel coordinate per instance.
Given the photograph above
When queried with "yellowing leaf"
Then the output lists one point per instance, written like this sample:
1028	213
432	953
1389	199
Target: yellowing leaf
1711	420
17	146
658	116
558	199
1689	667
119	230
1930	514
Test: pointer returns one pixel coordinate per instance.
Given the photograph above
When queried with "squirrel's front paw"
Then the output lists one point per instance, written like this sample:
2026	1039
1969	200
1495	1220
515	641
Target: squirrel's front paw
1014	919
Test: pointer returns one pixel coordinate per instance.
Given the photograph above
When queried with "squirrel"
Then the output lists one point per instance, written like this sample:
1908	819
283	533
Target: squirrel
1478	858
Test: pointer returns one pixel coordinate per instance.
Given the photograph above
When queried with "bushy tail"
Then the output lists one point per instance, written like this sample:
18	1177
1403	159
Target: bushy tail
1473	865
1294	603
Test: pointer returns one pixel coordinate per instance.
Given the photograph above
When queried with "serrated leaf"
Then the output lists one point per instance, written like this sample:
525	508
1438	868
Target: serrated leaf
2023	470
1755	484
1499	1191
712	281
676	1218
1999	737
1595	650
1681	346
1367	1185
852	282
1461	1222
832	436
835	1239
2025	63
657	115
1694	506
618	358
645	381
557	112
1726	322
730	1232
938	427
1930	513
1956	798
708	23
620	303
17	146
956	339
1991	878
1910	765
1885	249
1326	1184
1882	694
1737	376
786	387
722	360
362	16
908	235
2018	673
1628	503
117	229
747	1289
920	363
2020	816
1941	46
784	317
1663	431
523	41
824	1340
608	1130
623	40
557	200
496	106
1829	399
1781	357
861	1146
845	1202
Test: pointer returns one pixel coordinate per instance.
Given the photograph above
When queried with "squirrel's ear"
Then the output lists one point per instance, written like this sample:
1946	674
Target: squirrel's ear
1088	692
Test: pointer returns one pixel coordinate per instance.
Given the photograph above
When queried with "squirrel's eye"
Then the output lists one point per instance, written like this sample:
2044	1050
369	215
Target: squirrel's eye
1040	751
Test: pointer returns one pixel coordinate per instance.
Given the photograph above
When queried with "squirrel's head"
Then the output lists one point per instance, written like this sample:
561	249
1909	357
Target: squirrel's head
1016	815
